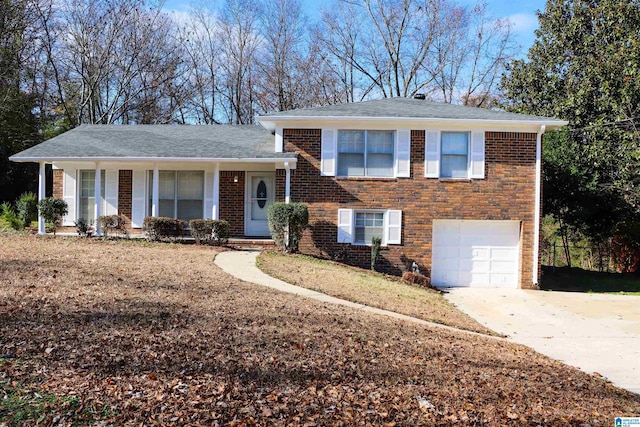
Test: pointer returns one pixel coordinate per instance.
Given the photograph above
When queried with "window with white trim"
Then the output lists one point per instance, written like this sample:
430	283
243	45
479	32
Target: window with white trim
454	155
180	194
366	153
368	225
87	194
358	227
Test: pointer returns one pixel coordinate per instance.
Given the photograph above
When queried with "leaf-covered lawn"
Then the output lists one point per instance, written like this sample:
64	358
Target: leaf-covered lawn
369	288
132	333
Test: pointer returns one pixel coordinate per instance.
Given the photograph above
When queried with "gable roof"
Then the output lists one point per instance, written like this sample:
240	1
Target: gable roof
406	109
157	142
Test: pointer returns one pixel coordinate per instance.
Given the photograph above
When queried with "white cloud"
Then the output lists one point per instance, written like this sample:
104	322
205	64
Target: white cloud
523	22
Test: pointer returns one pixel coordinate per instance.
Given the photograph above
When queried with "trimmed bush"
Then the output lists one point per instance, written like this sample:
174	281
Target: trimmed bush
27	207
209	231
115	223
376	242
287	222
82	227
52	210
160	227
418	279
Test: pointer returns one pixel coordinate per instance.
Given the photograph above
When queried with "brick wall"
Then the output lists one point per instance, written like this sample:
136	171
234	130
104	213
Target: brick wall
125	183
232	201
58	182
507	193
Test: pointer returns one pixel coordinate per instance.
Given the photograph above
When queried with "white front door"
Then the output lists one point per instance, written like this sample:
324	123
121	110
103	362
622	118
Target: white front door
475	253
259	196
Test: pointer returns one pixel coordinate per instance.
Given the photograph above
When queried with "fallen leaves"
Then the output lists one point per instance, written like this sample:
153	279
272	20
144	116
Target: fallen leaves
139	336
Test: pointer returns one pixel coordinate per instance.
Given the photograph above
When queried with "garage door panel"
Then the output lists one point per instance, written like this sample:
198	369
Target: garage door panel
475	253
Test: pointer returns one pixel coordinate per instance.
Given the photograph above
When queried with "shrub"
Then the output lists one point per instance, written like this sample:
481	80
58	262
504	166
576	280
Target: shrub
287	222
160	227
52	210
376	242
82	227
9	216
418	279
115	223
209	231
27	207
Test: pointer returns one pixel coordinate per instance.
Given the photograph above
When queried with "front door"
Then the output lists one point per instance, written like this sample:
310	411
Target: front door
259	196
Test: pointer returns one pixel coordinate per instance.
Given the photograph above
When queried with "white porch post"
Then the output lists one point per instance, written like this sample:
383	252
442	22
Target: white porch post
215	212
287	185
155	196
42	188
97	201
537	213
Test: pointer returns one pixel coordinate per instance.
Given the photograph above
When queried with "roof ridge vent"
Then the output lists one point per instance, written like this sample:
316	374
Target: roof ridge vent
419	96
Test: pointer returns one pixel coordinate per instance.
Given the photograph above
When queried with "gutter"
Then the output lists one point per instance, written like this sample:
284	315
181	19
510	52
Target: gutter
537	214
293	160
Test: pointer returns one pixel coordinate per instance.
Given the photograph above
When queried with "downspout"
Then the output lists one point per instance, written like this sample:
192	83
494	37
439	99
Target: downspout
536	218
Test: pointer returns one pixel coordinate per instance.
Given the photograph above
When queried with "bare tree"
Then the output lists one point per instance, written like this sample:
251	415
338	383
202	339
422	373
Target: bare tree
240	42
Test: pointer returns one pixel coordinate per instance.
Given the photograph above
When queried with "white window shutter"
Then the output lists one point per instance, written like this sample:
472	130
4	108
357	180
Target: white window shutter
69	189
138	199
432	154
345	226
111	192
328	155
208	195
394	227
403	153
477	155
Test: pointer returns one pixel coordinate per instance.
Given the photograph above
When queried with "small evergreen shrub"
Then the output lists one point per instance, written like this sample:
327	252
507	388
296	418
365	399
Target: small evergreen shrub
27	207
113	223
52	210
82	227
287	222
209	231
376	243
9	217
160	227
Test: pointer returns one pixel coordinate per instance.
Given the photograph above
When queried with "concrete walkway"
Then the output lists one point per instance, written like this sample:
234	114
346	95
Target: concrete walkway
597	333
242	264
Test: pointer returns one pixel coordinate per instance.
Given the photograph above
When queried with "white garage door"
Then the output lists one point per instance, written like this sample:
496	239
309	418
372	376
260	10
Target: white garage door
475	253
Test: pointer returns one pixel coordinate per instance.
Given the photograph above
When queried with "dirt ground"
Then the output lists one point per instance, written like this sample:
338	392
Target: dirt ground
133	333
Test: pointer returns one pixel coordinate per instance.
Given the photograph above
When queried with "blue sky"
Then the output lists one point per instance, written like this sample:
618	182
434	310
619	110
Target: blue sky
522	14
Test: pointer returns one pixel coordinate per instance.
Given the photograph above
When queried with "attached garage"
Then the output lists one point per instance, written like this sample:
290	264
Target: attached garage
475	253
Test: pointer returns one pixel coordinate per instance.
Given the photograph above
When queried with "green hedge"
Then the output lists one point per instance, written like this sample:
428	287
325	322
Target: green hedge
160	227
209	231
287	220
52	210
27	207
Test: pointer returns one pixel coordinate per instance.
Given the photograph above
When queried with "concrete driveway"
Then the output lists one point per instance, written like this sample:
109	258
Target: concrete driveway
594	332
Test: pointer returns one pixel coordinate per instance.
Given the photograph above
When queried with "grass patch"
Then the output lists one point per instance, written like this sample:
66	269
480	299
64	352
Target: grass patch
368	288
573	279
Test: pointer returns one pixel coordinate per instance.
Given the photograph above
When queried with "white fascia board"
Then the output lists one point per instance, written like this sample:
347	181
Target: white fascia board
413	122
291	160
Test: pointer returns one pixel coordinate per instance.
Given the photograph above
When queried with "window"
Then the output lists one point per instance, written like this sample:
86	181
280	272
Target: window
454	155
360	226
366	153
368	225
180	194
87	194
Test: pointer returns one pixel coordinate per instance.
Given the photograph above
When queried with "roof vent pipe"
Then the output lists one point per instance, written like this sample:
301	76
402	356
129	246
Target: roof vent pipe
419	96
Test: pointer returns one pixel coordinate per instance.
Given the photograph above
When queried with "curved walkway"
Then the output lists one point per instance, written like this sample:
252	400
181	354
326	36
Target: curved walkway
242	265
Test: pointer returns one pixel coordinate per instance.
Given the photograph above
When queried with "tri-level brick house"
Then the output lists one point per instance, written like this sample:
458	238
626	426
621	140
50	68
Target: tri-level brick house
455	189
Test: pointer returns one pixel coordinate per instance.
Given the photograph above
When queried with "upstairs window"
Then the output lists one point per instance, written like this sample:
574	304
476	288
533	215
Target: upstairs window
454	155
366	153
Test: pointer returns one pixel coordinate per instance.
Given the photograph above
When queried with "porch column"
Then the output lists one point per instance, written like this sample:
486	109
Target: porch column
97	201
215	214
155	196
287	185
42	188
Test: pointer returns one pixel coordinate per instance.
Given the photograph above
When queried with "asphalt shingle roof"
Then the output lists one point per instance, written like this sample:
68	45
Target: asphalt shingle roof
158	142
405	108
